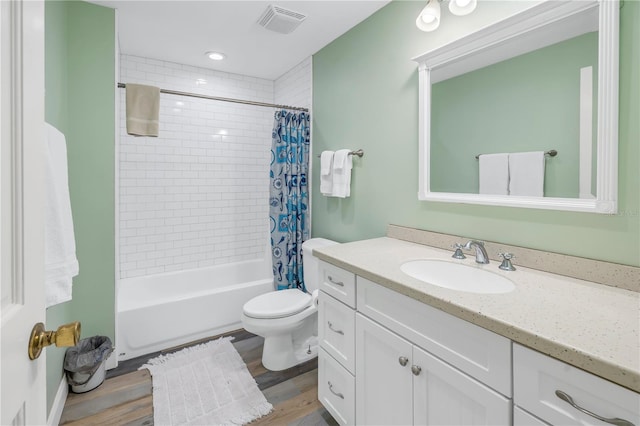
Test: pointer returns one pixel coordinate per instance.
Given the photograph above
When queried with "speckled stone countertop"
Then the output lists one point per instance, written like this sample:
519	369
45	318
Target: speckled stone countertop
591	326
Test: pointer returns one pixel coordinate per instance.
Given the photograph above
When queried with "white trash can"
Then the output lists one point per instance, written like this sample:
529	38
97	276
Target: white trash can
85	363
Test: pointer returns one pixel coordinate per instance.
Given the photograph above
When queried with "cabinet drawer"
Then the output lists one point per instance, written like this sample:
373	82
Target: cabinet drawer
537	377
480	353
336	389
338	283
336	330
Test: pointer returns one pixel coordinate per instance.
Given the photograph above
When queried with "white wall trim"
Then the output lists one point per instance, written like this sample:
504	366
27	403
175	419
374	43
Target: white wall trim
55	414
112	362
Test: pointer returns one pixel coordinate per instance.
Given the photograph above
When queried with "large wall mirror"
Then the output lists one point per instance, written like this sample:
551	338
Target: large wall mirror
542	81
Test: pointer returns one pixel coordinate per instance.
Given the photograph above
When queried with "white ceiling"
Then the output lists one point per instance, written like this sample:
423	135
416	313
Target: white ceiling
182	31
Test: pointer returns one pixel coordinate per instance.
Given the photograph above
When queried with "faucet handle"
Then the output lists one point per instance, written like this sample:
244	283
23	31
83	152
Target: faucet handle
458	253
506	262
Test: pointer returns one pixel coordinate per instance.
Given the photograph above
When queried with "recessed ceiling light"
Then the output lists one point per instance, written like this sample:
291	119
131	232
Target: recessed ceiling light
216	56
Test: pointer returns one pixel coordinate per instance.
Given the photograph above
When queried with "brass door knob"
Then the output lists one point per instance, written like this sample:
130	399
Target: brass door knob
65	335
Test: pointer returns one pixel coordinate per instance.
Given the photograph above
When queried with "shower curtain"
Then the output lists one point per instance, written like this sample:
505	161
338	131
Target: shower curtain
289	196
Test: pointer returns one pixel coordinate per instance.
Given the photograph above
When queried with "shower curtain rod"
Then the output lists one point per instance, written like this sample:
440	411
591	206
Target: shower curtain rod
217	98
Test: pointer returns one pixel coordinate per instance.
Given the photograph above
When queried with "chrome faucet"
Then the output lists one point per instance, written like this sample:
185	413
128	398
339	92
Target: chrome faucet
481	253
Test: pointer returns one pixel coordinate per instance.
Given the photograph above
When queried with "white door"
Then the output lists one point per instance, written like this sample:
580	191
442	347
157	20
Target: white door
23	391
383	370
443	395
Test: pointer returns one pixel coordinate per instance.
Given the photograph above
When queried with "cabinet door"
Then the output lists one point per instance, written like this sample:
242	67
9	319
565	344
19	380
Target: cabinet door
383	385
443	395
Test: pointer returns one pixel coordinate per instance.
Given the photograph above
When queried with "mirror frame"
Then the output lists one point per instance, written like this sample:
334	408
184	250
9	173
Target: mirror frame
479	46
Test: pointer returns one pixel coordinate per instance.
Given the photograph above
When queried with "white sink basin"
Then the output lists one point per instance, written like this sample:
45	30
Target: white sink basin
457	276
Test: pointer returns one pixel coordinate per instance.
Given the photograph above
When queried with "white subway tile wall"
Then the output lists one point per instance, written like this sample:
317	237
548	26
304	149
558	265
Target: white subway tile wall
293	88
197	195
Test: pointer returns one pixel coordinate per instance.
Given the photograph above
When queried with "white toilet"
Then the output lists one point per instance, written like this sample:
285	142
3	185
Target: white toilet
288	319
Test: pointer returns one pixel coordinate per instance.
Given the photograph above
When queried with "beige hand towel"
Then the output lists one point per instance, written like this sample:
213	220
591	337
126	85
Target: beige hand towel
143	109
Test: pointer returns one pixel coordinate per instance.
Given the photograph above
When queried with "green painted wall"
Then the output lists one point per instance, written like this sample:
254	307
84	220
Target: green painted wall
513	106
80	101
365	90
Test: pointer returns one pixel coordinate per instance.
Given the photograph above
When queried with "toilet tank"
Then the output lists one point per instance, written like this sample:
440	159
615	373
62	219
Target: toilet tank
310	262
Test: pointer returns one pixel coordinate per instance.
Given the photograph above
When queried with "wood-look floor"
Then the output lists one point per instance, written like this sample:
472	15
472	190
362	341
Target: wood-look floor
125	396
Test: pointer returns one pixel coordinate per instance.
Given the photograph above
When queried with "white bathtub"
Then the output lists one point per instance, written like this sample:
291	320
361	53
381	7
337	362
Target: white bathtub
160	311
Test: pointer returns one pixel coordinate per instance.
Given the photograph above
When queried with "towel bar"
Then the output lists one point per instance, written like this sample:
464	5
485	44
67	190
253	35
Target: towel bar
550	153
359	153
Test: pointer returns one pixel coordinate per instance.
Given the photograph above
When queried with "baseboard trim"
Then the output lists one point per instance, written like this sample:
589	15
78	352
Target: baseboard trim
55	414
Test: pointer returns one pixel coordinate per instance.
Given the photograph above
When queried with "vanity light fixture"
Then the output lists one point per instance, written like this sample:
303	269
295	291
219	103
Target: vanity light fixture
429	18
216	56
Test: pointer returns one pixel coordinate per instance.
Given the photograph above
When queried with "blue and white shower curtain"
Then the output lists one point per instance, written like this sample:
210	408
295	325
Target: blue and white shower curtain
289	196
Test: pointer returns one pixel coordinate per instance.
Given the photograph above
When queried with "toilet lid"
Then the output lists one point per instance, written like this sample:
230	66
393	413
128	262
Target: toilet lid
277	304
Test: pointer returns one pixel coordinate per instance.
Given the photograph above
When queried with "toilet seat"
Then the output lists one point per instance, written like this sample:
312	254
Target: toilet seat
277	304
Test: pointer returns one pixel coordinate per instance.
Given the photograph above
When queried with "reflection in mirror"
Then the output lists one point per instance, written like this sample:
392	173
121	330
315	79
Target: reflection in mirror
531	102
543	79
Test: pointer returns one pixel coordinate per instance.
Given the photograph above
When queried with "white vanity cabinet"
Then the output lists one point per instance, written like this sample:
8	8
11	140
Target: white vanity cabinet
386	358
540	383
399	382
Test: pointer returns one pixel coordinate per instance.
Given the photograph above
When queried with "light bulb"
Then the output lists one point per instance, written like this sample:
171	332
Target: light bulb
429	18
462	7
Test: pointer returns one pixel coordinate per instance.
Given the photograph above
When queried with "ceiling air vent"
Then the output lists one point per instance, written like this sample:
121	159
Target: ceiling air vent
280	20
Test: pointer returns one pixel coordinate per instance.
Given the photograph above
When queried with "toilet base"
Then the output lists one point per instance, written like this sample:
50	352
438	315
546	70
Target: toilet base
286	345
279	353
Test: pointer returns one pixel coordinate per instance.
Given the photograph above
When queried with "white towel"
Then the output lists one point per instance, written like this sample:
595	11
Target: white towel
326	172
494	174
143	109
526	174
342	163
61	264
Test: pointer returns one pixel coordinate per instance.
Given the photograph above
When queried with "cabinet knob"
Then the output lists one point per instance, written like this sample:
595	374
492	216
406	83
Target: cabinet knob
415	369
403	360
